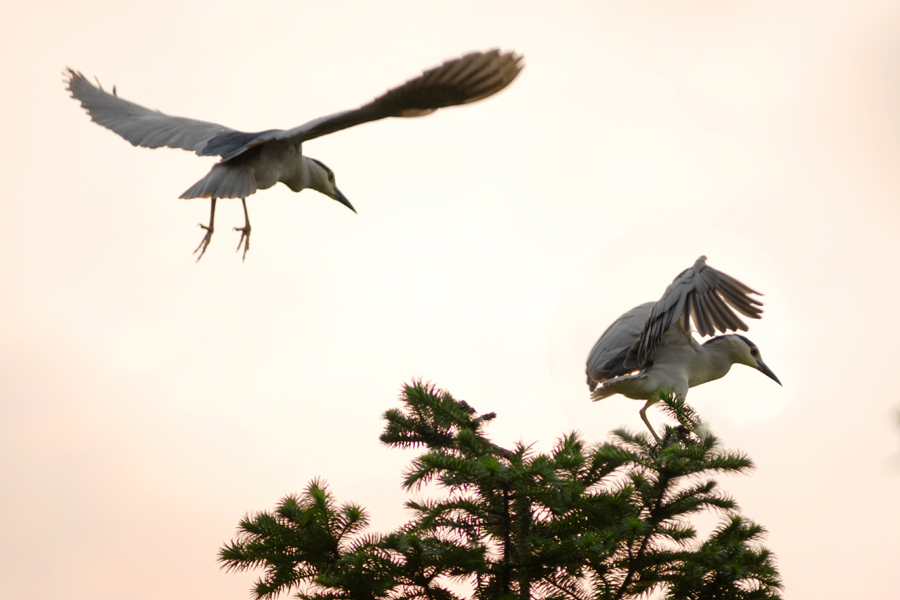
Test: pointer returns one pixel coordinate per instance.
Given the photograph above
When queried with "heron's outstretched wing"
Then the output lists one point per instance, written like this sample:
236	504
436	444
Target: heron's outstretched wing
609	352
700	293
141	126
458	81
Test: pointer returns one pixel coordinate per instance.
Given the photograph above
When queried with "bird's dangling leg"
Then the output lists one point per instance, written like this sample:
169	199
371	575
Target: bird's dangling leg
647	421
245	231
209	230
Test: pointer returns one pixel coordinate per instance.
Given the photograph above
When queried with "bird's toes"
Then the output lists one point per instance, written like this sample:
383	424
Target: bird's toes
244	241
204	243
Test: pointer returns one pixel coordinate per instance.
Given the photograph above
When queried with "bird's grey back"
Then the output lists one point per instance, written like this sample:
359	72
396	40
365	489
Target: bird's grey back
227	142
616	340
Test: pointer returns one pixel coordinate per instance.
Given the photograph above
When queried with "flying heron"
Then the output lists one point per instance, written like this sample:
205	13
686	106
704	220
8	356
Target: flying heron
650	348
257	161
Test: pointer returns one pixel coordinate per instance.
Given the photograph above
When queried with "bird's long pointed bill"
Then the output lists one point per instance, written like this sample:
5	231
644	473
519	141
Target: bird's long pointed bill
343	199
767	371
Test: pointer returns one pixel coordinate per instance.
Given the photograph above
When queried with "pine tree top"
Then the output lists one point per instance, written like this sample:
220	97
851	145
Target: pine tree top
585	521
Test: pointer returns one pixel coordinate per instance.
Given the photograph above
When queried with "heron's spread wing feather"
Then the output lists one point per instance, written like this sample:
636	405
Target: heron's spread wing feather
141	126
707	296
459	81
617	338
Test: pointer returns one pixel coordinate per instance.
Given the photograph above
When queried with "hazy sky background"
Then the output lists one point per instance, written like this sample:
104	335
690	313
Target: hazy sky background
147	402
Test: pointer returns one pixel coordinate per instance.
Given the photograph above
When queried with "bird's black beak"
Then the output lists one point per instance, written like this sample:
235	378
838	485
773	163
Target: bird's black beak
342	199
767	371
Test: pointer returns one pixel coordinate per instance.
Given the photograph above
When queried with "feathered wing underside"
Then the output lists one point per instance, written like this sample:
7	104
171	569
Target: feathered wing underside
613	345
141	126
458	81
702	294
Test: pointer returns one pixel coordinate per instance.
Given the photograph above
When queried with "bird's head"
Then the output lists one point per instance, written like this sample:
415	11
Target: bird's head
321	179
748	354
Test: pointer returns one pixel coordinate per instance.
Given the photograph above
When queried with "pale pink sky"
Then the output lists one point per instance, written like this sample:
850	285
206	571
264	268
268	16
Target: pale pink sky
148	402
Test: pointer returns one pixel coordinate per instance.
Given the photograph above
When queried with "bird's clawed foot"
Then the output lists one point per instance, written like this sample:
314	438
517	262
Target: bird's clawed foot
245	239
204	243
245	231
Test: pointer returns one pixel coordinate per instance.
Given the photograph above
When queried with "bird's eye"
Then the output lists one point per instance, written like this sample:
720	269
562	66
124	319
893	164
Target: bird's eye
754	351
331	177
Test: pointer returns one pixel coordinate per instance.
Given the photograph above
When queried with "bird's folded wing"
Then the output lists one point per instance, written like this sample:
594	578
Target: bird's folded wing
141	126
703	294
458	81
618	337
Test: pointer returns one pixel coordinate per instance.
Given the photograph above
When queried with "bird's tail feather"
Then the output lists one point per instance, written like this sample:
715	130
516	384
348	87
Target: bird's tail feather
624	384
601	392
224	181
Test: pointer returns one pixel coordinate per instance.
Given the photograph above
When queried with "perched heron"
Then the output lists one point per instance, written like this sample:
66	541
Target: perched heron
257	161
650	348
